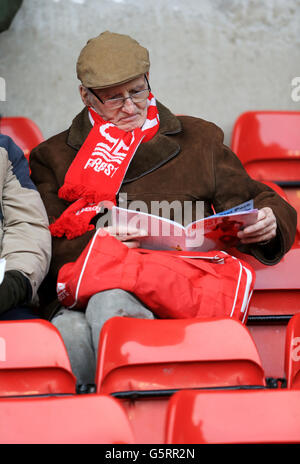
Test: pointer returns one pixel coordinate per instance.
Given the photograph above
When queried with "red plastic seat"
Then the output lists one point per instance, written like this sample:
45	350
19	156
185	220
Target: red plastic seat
232	417
268	145
134	353
275	299
24	132
81	419
292	353
144	359
33	359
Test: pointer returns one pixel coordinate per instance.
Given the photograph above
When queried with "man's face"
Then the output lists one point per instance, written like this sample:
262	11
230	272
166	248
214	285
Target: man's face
130	115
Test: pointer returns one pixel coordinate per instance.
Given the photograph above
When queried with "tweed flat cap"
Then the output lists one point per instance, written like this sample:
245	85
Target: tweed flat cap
111	59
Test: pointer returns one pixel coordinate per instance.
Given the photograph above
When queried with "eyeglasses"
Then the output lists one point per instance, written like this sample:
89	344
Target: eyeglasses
118	102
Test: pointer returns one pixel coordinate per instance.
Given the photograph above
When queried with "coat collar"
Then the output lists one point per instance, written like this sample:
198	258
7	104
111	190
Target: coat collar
149	156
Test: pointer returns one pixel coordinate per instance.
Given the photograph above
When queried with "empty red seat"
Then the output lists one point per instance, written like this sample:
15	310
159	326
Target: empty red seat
268	145
292	353
24	132
275	299
139	353
141	360
232	417
33	359
81	419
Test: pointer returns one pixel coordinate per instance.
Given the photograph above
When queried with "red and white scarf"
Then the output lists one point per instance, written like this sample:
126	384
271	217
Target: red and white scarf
98	170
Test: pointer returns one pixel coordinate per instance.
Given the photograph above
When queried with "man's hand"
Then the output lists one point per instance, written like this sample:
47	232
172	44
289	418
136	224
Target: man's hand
129	236
263	230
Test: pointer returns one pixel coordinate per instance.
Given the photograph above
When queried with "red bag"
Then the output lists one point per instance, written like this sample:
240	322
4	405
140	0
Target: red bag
172	284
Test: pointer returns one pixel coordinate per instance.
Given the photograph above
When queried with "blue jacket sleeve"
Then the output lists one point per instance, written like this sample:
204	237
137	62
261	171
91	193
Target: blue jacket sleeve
18	161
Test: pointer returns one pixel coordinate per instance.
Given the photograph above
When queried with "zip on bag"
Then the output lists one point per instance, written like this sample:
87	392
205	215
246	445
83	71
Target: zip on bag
215	259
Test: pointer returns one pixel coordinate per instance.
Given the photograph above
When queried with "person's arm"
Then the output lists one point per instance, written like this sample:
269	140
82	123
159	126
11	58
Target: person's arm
274	233
15	290
26	244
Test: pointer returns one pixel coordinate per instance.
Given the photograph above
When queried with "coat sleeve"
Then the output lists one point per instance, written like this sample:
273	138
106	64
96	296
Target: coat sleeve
233	186
26	244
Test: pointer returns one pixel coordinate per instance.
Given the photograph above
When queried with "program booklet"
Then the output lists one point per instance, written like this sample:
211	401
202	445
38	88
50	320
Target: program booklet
218	231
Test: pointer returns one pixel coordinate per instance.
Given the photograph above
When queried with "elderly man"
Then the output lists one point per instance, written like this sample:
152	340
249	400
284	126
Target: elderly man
149	154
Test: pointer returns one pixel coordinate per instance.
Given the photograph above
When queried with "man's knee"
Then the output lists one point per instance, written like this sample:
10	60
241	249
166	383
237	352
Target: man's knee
110	299
71	324
113	303
116	302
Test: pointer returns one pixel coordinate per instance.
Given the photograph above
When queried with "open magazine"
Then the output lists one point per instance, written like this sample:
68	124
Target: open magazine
214	232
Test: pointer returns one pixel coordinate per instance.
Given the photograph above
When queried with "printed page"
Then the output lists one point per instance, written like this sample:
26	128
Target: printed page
219	232
162	233
246	206
215	232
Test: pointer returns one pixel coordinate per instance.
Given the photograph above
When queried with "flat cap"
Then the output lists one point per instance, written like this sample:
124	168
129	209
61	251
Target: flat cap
111	59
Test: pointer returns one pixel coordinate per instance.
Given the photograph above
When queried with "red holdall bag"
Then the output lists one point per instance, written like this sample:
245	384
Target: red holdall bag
171	284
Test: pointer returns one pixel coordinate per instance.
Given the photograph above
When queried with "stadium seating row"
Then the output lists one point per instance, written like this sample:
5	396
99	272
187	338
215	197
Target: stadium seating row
192	417
143	365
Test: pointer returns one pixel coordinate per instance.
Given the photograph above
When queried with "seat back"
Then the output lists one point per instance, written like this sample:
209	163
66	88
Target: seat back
143	354
33	359
81	419
292	352
143	361
232	417
24	132
275	298
268	145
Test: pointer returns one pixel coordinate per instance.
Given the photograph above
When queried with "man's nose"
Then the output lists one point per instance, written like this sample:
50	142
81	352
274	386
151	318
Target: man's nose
128	105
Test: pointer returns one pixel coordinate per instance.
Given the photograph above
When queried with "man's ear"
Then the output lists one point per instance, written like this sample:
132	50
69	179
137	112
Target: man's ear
84	95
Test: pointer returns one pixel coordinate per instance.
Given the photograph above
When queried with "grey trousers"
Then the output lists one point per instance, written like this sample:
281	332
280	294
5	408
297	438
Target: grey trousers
80	331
